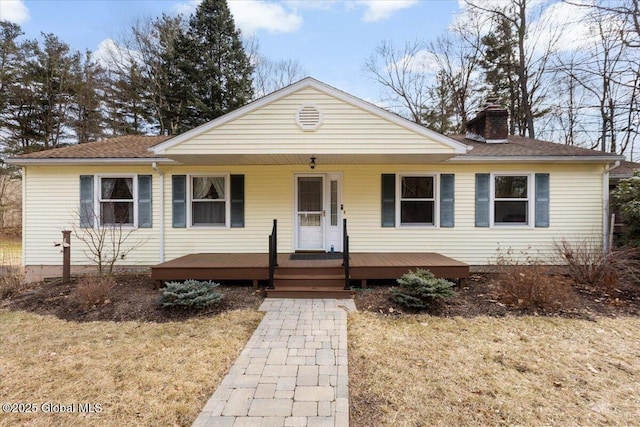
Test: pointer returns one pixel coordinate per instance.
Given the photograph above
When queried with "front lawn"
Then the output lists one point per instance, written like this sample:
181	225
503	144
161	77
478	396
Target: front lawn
140	373
433	371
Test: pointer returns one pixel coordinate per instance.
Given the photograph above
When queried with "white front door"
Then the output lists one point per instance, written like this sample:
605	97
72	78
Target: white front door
318	214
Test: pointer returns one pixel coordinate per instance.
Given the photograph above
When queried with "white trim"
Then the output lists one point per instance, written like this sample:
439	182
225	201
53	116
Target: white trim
436	199
91	161
305	83
606	227
327	177
296	222
532	159
227	200
25	229
97	198
531	200
161	228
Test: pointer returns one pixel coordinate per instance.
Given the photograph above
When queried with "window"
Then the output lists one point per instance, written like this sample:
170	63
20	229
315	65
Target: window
208	200
511	199
116	198
417	200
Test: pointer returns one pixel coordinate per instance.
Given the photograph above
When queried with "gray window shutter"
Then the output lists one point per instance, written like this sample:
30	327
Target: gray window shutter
179	197
447	195
482	199
542	200
145	211
86	201
237	200
388	200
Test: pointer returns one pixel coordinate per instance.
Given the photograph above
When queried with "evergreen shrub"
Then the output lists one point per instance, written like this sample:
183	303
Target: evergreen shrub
417	290
190	294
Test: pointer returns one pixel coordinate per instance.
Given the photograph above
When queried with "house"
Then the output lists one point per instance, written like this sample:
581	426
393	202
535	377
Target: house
311	156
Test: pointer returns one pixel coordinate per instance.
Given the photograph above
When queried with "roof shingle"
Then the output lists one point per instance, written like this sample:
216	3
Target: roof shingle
121	147
137	147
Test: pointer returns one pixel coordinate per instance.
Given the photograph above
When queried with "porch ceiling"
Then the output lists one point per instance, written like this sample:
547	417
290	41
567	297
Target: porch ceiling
303	159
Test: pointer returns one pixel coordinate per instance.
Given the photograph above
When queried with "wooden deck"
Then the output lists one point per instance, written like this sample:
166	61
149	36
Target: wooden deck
299	276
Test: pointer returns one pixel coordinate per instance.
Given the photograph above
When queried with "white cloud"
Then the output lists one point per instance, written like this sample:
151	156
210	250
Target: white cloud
422	62
379	10
186	7
253	15
14	11
109	53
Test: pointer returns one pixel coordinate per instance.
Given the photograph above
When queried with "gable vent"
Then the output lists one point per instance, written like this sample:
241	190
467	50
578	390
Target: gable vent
309	118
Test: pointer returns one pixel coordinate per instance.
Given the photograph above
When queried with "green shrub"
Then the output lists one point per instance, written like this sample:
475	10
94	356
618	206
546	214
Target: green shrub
190	294
418	289
626	197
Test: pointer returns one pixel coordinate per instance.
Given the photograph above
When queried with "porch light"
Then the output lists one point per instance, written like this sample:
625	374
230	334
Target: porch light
312	163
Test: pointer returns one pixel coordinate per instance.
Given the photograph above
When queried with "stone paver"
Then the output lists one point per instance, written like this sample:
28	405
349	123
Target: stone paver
292	372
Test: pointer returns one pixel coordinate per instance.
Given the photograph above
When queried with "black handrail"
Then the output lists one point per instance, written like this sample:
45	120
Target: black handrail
345	256
273	252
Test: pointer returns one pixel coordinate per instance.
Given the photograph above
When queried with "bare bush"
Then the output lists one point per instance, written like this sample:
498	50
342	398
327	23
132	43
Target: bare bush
527	282
10	282
589	264
93	290
11	277
106	244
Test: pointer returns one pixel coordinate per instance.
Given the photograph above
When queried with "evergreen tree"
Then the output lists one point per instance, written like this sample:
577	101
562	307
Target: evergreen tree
501	72
216	71
440	113
89	120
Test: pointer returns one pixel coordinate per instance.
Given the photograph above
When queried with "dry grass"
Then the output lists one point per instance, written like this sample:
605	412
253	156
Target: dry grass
430	371
11	278
142	373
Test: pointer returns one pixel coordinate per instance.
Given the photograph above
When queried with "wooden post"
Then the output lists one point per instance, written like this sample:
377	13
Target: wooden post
66	256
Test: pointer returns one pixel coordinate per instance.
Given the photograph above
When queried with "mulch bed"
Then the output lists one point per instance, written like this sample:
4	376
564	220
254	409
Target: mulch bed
480	297
133	298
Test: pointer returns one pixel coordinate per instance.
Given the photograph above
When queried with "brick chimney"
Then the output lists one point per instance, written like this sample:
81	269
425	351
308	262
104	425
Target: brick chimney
490	125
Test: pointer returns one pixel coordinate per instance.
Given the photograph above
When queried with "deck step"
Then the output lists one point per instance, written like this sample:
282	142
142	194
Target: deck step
308	292
309	283
310	277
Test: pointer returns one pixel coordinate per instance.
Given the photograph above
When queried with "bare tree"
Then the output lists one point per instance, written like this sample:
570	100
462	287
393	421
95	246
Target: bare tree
458	56
105	244
406	75
270	75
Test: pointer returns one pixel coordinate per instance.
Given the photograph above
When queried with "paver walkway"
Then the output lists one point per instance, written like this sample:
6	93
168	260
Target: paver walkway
292	372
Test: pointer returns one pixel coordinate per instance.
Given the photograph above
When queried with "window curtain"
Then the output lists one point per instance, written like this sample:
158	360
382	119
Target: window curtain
108	185
202	188
129	183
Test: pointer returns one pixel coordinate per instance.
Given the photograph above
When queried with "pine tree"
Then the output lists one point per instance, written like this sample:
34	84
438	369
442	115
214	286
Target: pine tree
89	121
216	71
501	72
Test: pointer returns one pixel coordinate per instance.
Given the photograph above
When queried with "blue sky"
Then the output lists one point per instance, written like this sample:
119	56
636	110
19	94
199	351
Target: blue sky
330	39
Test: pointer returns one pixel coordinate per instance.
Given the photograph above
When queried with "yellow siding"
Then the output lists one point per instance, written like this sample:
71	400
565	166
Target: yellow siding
575	212
52	197
272	129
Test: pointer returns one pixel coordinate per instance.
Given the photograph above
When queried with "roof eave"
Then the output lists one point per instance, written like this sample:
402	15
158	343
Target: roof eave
534	159
89	161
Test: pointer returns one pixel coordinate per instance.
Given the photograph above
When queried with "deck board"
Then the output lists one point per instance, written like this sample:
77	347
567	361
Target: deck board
255	266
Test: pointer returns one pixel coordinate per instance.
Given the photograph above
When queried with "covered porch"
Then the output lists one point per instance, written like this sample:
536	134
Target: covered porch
320	277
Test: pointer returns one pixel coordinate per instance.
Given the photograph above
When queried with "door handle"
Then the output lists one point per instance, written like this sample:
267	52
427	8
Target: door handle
324	213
